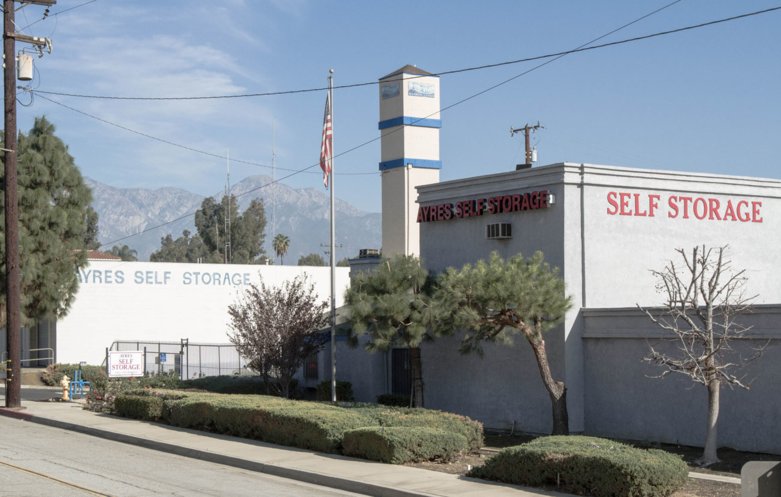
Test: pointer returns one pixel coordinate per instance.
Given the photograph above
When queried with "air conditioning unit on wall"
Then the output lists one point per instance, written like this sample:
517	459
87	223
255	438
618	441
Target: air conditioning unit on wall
499	231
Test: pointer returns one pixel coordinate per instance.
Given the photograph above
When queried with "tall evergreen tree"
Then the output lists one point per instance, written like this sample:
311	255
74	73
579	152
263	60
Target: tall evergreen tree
496	299
248	235
209	244
54	224
388	306
183	249
91	234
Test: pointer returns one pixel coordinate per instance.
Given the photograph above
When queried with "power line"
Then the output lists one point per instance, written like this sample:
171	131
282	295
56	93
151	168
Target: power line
554	55
168	142
396	130
47	15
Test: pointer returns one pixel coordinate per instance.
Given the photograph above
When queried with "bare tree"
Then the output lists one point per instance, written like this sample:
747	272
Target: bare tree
277	328
703	298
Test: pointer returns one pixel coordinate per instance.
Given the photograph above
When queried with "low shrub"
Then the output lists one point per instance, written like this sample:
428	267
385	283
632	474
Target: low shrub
145	407
389	399
399	445
233	385
405	434
413	417
344	391
587	466
104	390
169	380
306	425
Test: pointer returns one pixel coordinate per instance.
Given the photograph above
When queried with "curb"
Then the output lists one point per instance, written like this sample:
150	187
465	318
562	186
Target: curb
294	474
16	413
712	477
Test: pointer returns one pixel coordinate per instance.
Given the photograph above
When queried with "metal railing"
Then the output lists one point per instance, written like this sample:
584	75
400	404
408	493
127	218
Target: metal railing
49	358
184	359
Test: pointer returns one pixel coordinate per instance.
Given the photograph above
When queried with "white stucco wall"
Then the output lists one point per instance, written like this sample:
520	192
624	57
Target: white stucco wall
625	237
607	229
149	301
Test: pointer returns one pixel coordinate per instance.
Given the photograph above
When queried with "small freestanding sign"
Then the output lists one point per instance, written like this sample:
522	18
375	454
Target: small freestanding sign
125	364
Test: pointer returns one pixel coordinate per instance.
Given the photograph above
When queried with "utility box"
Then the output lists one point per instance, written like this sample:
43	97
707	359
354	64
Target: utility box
760	479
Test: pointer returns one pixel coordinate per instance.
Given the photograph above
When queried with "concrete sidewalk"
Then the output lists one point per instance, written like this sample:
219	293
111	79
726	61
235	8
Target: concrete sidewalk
339	472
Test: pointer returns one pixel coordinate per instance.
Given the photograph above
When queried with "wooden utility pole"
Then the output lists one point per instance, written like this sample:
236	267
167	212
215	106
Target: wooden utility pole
526	132
13	385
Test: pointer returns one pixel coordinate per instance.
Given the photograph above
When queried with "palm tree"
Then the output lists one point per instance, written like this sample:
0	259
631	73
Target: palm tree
125	252
281	244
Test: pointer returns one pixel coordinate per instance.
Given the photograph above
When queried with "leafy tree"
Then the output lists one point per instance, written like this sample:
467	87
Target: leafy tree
277	328
248	232
497	299
125	252
344	262
311	260
183	249
209	244
281	243
54	214
388	305
703	298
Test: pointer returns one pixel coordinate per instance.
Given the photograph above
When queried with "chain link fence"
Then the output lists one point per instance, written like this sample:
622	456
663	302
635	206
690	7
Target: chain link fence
186	360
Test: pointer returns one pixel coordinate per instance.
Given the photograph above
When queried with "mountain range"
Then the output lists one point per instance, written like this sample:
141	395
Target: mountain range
139	218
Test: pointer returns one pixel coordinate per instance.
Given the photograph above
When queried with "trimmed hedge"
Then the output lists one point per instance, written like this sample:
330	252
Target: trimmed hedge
394	434
587	466
298	424
415	417
147	407
144	404
229	384
399	445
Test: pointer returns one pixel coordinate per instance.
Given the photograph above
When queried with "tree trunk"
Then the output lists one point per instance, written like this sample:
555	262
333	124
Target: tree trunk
556	389
709	455
416	371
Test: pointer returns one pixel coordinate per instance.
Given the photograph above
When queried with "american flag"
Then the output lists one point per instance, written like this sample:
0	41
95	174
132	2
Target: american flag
326	147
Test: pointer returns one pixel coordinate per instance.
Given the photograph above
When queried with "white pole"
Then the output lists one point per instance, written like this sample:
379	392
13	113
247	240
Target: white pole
333	244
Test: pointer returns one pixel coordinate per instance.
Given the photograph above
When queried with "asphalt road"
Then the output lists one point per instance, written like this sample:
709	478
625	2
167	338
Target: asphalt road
40	461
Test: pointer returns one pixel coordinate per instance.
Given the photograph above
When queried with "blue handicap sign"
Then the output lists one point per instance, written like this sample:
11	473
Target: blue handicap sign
163	357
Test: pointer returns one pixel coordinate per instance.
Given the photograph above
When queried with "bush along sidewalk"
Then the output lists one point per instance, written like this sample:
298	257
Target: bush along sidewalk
587	466
388	434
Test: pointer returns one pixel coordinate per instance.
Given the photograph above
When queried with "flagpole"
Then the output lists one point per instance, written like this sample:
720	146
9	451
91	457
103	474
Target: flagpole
333	245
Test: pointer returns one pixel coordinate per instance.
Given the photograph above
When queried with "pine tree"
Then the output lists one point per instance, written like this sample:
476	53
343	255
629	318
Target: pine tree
388	306
55	223
494	300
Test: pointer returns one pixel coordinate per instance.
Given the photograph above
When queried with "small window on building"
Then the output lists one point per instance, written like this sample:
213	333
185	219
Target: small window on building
499	231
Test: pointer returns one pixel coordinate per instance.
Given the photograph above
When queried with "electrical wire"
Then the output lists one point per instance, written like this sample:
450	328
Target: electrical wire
396	130
168	142
54	15
553	56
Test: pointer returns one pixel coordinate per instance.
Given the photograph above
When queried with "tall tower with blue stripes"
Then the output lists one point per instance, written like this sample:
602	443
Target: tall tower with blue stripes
409	127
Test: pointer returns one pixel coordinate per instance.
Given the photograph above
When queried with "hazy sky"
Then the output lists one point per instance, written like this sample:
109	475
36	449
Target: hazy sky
705	100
